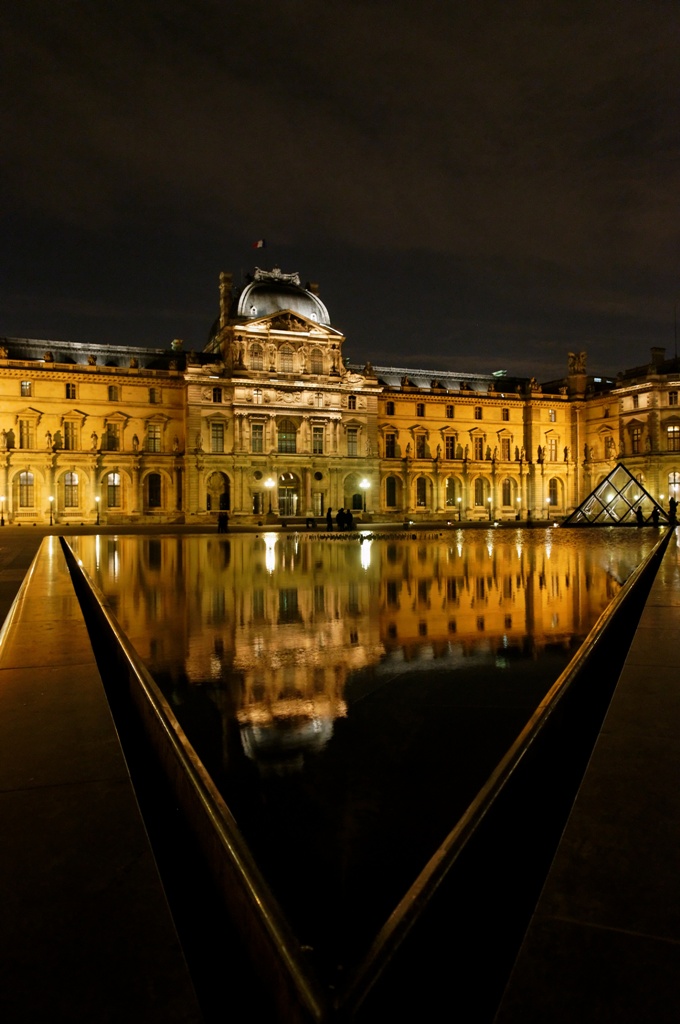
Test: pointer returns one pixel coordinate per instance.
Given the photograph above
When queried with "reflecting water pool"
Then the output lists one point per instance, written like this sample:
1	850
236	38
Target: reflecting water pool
350	696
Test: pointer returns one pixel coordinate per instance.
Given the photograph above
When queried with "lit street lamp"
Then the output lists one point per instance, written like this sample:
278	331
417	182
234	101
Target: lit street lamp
97	501
364	485
269	484
460	517
490	516
2	509
51	504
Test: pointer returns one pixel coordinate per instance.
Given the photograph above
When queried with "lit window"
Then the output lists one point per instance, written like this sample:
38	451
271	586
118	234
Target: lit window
673	439
70	490
217	437
113	490
256	357
70	391
257	396
257	438
552	415
26	490
26	389
478	412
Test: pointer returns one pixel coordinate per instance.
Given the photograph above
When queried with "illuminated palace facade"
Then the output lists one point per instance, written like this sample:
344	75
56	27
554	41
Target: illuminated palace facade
272	421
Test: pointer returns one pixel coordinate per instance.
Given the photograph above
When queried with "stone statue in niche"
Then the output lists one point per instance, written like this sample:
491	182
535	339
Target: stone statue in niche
135	443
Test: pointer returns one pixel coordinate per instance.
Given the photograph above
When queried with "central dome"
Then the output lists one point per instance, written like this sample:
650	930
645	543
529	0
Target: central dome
271	291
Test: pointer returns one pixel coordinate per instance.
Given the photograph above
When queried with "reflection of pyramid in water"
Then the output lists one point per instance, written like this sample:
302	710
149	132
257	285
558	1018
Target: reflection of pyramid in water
615	502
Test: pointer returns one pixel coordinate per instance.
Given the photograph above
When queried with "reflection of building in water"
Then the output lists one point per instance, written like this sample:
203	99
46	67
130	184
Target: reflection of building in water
270	628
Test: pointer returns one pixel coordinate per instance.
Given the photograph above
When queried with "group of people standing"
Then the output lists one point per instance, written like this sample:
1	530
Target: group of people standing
344	519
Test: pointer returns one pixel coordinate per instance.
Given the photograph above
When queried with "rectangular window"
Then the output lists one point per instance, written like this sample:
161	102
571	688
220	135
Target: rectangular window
505	415
352	402
70	436
479	447
636	401
673	435
478	412
450	448
111	437
257	396
317	440
390	446
672	398
113	490
505	449
420	409
352	441
113	392
217	437
217	395
70	391
420	446
26	389
26	434
153	437
154	396
26	490
449	412
636	440
552	449
389	409
552	415
257	438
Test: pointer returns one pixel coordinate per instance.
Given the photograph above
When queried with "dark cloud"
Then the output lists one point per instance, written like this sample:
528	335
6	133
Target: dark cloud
486	182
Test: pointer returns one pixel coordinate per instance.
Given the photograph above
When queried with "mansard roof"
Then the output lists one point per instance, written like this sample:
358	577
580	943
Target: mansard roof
270	291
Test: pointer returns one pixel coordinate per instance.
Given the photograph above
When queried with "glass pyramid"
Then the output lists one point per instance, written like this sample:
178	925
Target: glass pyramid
619	500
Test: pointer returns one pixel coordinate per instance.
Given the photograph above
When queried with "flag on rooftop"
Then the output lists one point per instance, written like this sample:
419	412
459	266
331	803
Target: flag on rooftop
259	244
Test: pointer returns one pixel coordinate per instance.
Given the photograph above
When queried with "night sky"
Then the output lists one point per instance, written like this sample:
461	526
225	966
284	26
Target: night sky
475	184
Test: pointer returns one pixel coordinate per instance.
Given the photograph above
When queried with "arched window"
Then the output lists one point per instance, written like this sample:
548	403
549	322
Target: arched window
480	491
256	357
554	491
26	490
70	490
421	492
286	356
316	361
153	483
391	492
113	490
506	492
287	436
452	492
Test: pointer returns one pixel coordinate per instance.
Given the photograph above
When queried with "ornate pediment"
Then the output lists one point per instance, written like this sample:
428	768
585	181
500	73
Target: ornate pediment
288	322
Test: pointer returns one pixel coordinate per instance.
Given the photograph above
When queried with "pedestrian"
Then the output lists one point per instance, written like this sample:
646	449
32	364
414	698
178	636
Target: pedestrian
349	520
329	519
655	515
340	519
639	517
672	510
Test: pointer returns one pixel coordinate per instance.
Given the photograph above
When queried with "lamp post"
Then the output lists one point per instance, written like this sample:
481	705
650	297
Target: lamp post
51	506
460	514
489	500
97	503
269	484
2	509
364	485
547	508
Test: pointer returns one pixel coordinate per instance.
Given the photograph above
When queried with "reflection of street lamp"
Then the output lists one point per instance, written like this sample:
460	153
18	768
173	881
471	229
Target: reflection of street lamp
364	485
51	502
269	484
547	511
459	510
489	500
2	509
97	501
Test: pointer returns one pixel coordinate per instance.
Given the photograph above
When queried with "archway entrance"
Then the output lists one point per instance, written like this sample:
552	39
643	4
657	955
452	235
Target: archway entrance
289	494
218	494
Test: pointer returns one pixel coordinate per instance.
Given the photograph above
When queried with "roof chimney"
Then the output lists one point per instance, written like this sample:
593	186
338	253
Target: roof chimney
225	297
658	355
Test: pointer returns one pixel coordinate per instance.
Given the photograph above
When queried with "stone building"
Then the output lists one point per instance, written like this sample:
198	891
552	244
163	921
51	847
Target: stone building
271	421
